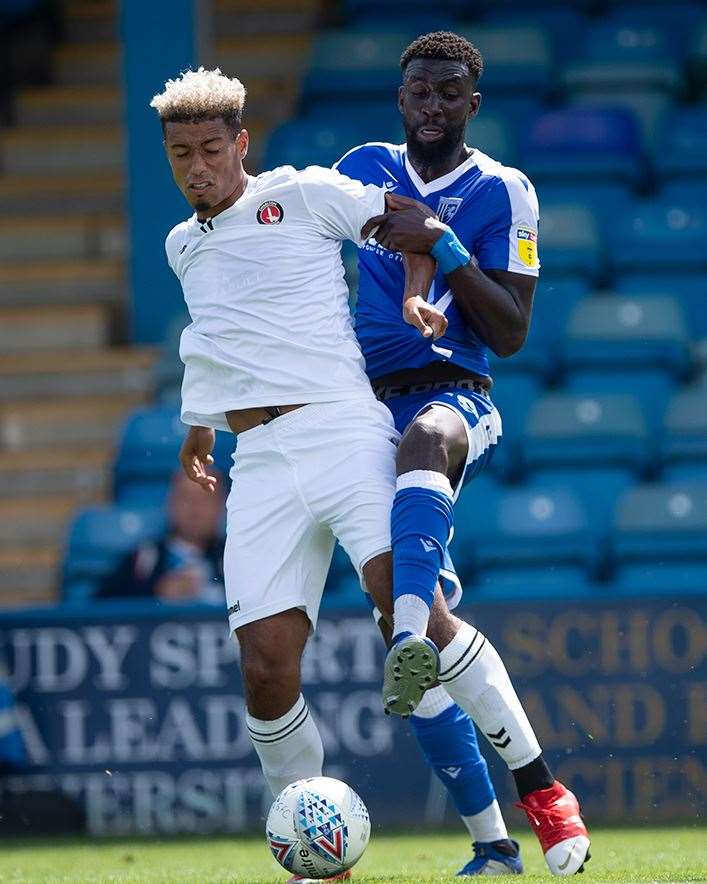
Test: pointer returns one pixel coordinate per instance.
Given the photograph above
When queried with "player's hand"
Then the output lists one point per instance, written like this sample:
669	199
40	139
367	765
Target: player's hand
407	225
430	322
195	456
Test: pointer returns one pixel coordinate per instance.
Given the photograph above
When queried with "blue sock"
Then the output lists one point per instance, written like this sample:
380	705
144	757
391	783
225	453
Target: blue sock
421	525
449	744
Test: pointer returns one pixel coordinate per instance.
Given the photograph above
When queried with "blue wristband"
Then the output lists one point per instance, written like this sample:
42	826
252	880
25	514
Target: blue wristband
449	253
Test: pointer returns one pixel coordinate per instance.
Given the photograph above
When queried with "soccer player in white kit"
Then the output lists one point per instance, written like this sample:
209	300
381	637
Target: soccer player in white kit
271	355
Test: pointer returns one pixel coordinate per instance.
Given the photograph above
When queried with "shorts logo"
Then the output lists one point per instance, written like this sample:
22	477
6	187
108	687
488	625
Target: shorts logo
270	213
528	246
447	208
234	609
468	405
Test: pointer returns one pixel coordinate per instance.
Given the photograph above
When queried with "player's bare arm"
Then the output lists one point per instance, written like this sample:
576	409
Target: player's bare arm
496	304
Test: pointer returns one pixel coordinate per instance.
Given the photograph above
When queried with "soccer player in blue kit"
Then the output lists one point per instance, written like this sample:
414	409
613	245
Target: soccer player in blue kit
481	228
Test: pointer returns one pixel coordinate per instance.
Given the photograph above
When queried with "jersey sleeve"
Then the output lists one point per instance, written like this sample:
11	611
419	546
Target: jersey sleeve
172	244
339	205
510	240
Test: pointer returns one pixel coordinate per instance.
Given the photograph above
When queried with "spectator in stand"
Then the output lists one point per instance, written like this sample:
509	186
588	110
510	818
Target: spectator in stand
184	565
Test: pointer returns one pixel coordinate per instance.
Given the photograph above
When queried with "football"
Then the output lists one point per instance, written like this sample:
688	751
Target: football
318	827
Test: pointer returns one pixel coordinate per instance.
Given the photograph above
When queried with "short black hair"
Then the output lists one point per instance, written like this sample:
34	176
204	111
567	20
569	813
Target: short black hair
448	46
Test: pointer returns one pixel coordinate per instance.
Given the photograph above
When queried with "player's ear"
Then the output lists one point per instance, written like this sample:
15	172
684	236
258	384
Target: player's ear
242	140
400	98
474	105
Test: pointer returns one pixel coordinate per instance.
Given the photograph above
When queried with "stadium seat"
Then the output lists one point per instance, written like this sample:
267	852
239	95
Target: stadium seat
495	135
660	525
675	21
169	369
515	55
572	430
683	447
683	154
355	65
530	528
554	298
621	332
513	393
650	107
356	9
303	142
687	288
605	200
657	579
660	235
570	242
542	581
417	21
601	145
148	455
624	56
596	485
565	24
98	538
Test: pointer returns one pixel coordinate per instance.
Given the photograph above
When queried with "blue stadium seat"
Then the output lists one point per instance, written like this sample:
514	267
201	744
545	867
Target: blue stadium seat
520	54
541	581
98	538
687	288
514	393
683	447
601	145
304	142
530	528
597	486
565	24
605	200
659	579
355	9
572	430
651	387
660	235
624	56
675	21
554	299
651	108
387	17
683	153
622	332
661	525
148	455
570	242
355	65
495	135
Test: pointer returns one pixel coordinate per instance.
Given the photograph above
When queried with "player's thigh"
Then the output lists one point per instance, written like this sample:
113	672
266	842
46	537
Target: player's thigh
436	439
276	555
356	487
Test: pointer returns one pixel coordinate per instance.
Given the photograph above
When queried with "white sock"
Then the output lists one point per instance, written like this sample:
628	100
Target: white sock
476	679
290	748
410	614
488	825
433	703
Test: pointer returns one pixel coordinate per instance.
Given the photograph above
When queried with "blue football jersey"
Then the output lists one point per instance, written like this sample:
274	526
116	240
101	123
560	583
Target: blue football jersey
492	209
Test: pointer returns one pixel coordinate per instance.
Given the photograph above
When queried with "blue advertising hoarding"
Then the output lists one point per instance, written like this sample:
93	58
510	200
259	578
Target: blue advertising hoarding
138	712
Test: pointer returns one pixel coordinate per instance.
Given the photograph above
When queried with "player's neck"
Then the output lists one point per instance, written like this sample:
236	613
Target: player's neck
226	203
429	170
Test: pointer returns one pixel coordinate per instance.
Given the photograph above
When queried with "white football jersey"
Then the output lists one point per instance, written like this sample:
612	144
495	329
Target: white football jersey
264	285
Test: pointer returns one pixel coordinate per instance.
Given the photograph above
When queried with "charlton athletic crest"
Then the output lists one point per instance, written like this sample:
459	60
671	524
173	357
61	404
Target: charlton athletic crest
270	213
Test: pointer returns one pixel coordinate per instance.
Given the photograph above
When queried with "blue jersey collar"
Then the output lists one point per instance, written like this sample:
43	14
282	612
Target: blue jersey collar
425	189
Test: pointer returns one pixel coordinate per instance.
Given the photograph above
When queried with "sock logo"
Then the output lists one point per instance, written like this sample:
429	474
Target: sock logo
427	546
452	772
497	739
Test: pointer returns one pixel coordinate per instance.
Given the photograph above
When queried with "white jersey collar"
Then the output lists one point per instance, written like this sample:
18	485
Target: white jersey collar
425	189
231	210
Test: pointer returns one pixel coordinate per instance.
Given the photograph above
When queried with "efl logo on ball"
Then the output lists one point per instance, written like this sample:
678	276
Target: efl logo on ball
270	213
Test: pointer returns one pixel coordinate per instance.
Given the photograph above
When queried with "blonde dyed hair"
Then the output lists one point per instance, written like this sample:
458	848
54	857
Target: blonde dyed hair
200	95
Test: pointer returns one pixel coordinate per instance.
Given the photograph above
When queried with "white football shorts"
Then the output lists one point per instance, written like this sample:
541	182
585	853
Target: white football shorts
321	472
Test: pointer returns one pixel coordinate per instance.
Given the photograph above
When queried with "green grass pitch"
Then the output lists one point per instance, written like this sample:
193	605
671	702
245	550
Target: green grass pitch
625	855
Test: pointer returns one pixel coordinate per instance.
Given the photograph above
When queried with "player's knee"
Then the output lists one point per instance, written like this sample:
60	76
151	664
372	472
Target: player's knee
424	446
268	672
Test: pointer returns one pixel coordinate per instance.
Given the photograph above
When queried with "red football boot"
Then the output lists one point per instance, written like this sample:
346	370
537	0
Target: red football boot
555	818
